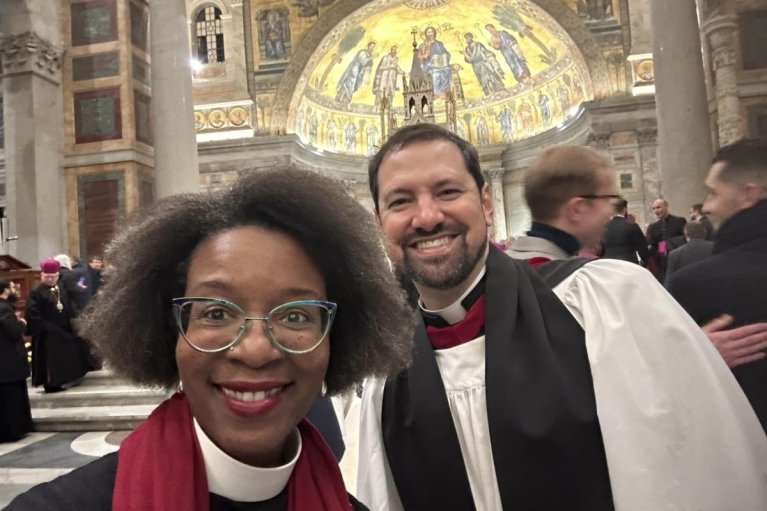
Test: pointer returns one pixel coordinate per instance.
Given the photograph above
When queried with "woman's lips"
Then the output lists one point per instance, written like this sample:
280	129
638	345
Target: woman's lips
252	399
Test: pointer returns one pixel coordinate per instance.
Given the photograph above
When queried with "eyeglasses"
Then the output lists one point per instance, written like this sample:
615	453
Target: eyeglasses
603	196
211	325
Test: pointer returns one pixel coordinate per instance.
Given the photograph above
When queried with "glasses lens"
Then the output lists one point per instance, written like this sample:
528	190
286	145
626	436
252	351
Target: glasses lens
209	325
299	326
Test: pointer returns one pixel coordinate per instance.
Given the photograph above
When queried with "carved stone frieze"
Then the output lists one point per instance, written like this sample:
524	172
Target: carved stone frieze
28	52
224	118
647	135
494	175
723	57
599	140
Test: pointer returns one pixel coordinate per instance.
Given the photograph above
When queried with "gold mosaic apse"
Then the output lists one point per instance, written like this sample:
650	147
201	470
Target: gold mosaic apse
514	71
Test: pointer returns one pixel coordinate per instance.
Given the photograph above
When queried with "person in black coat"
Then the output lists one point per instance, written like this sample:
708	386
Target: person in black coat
59	357
696	249
663	236
15	416
89	279
697	215
623	239
733	281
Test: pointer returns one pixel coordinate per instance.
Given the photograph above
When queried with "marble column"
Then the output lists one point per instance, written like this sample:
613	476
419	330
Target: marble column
684	134
720	30
32	99
175	144
499	208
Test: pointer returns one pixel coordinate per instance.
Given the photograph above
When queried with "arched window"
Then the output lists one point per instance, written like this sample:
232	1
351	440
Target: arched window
209	35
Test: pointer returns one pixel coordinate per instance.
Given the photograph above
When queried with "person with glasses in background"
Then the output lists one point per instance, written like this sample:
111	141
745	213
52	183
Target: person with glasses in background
252	302
598	395
568	190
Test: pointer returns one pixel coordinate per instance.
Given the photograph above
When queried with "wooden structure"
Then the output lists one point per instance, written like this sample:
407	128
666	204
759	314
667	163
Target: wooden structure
22	274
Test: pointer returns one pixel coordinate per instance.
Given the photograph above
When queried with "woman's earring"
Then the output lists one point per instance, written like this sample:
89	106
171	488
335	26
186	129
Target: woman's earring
324	388
181	386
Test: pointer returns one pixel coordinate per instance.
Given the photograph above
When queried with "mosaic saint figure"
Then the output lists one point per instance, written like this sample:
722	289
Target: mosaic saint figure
486	68
507	44
435	60
385	81
355	74
331	131
563	97
525	112
350	137
483	133
372	139
275	32
543	104
313	125
506	118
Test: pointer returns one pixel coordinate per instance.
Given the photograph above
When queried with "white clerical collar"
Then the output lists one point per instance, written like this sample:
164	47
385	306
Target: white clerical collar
237	481
454	312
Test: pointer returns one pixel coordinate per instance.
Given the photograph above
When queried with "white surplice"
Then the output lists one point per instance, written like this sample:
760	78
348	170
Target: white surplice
679	433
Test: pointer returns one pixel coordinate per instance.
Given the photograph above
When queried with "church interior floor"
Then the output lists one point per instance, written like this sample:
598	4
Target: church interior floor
41	457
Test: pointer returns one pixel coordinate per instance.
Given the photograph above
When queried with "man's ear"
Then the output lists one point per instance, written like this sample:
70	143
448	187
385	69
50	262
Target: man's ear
753	193
486	197
572	210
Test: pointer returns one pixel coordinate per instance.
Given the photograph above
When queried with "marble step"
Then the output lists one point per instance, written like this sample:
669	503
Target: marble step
96	395
101	402
90	418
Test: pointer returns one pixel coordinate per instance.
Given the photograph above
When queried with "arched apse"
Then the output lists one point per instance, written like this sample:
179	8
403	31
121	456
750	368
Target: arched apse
564	62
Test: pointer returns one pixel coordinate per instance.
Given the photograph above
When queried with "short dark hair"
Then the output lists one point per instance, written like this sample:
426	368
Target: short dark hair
426	132
131	319
698	206
695	230
620	205
4	284
744	160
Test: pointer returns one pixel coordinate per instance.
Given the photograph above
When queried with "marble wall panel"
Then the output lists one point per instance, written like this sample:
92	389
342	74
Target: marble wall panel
97	115
139	27
99	65
142	108
93	22
101	202
142	71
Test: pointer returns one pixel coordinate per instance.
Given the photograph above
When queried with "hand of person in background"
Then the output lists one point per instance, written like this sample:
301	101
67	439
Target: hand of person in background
740	345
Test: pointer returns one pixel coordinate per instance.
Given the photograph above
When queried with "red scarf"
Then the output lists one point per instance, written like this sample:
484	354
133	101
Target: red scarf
467	329
160	467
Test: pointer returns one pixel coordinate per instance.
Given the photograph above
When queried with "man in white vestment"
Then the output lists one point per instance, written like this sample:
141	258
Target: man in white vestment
600	395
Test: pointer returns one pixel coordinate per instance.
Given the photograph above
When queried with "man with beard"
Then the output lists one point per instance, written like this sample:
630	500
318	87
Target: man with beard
15	417
508	404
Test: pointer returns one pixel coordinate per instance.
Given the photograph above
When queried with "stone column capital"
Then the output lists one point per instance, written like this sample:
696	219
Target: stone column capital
29	53
494	175
719	28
